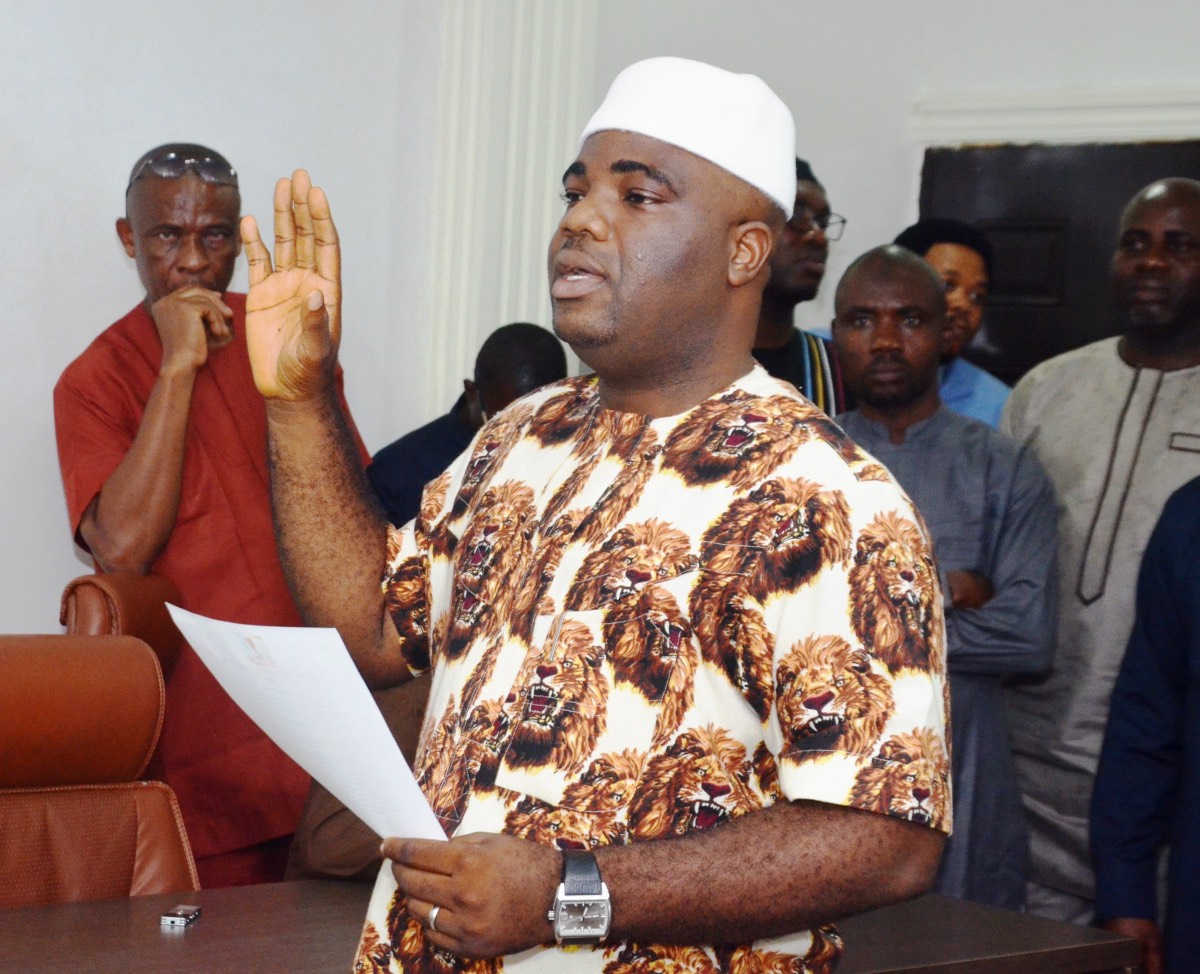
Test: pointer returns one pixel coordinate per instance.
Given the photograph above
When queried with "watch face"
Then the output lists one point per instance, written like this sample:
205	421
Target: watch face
582	918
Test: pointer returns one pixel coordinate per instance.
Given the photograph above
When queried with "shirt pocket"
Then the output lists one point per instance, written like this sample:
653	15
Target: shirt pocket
650	636
1186	442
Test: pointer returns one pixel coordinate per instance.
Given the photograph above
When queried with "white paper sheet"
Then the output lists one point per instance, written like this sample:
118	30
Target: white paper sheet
301	687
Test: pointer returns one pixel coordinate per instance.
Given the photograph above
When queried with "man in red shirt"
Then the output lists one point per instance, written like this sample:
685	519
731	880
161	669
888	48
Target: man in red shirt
162	446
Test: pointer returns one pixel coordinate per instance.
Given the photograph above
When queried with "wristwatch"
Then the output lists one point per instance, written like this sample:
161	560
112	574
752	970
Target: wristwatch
582	911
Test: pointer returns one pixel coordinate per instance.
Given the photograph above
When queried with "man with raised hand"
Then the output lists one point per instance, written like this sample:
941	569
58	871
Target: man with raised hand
632	590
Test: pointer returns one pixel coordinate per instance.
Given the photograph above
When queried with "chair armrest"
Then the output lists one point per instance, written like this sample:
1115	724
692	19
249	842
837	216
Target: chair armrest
124	604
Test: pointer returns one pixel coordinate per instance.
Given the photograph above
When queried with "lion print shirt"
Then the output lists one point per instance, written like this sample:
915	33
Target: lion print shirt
640	628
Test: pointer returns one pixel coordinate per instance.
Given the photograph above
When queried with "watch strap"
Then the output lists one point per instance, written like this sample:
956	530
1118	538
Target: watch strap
581	874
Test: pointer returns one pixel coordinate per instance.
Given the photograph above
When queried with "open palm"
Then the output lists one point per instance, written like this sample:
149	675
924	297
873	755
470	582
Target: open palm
293	345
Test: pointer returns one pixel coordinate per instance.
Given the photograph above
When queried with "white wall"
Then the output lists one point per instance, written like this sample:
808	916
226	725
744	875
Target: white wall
347	91
340	89
852	71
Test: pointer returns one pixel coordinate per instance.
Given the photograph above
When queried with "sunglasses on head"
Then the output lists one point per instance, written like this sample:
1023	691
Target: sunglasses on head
172	163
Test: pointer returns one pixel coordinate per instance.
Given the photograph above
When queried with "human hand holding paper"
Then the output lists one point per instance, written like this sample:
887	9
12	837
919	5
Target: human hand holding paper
302	689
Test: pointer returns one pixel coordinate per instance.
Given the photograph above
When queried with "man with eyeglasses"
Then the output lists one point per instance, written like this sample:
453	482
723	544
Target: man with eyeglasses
805	360
162	445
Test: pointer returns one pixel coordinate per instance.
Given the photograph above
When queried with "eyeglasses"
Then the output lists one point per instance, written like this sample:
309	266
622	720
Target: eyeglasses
171	163
804	221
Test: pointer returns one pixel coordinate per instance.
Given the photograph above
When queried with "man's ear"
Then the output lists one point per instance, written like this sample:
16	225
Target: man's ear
475	414
752	243
125	232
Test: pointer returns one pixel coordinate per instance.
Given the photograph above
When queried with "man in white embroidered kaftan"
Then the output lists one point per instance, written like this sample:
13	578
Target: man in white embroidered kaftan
680	641
1115	425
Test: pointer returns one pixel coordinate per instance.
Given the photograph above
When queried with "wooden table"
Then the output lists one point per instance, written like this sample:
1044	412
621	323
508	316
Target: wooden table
298	928
313	927
938	935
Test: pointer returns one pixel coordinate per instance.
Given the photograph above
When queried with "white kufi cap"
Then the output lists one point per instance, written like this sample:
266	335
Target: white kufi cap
732	120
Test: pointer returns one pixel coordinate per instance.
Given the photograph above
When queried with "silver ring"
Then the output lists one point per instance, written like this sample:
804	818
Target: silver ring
433	919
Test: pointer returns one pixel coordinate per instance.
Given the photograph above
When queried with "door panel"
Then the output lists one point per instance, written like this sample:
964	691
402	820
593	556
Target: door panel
1051	214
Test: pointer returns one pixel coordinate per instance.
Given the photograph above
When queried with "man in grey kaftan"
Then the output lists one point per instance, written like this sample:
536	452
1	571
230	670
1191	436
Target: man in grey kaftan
991	512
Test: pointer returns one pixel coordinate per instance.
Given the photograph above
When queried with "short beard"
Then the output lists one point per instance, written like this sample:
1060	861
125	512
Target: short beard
790	297
892	400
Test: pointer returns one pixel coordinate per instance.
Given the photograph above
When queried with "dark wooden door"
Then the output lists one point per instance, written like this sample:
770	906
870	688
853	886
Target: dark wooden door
1051	214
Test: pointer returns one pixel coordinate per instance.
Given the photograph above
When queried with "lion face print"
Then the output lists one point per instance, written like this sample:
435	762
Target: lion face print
485	558
766	773
648	640
373	954
559	707
780	536
565	828
736	438
408	606
430	525
481	461
563	416
497	538
416	955
702	780
433	499
636	555
608	783
658	959
440	773
484	734
652	648
734	636
473	616
908	779
821	957
462	757
894	592
493	446
830	699
800	529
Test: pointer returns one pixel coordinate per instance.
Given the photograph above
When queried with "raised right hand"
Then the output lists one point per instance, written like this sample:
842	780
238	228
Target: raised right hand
293	311
190	321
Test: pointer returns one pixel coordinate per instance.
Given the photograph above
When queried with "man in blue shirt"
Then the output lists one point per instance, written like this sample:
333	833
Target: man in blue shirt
963	257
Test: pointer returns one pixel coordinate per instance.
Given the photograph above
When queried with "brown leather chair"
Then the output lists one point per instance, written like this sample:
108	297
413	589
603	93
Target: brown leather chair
124	604
79	719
